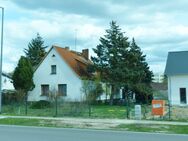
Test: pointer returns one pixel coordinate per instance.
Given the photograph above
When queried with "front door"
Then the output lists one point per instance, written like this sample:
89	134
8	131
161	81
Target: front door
183	98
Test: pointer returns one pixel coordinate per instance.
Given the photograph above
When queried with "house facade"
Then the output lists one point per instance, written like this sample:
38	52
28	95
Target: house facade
177	73
60	72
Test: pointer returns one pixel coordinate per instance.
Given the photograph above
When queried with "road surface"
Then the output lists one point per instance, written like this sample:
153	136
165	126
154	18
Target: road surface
16	133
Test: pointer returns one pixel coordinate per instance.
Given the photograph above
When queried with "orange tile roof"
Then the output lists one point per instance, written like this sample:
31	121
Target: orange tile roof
75	60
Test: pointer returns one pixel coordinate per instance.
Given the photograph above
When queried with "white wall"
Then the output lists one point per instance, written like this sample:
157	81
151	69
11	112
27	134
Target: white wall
174	84
64	75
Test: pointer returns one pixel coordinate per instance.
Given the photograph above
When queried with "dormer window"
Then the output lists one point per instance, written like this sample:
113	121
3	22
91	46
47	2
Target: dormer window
53	69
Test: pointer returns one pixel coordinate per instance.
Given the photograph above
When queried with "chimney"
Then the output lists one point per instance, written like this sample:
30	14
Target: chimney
85	53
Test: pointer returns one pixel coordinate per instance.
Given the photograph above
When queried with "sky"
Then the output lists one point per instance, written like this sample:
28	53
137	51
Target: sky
158	26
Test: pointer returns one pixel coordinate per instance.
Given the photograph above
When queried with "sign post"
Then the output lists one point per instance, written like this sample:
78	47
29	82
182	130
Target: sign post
138	112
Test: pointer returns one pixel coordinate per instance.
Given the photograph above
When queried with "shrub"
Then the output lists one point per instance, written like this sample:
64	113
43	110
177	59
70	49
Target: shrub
9	97
74	108
40	104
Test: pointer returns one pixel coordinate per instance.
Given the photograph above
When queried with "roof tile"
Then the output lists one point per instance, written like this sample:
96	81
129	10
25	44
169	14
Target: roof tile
177	63
75	60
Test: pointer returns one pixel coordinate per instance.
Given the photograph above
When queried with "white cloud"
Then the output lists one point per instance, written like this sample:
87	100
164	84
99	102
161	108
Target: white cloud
8	67
156	26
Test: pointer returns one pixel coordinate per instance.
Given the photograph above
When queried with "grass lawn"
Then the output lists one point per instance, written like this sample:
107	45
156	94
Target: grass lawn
109	111
97	111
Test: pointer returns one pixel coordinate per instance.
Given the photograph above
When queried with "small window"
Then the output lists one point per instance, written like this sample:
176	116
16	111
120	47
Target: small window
62	89
183	99
44	90
53	69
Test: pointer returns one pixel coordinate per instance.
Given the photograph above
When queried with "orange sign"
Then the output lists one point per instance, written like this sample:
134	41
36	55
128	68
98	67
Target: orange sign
158	107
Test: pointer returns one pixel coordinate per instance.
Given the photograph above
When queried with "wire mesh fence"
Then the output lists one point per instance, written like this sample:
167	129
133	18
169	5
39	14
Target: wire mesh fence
62	108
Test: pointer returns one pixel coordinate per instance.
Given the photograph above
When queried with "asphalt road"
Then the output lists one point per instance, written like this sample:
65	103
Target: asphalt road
15	133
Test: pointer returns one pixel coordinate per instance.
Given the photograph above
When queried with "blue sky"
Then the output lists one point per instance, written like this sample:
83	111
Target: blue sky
159	26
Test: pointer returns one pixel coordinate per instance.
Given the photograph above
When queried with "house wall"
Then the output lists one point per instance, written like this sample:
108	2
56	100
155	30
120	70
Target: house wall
174	84
64	75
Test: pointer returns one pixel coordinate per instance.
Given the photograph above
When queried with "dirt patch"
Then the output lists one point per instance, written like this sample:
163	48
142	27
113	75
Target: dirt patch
96	124
179	113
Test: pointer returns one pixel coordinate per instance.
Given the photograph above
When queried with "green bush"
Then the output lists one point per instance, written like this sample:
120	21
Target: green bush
9	97
40	104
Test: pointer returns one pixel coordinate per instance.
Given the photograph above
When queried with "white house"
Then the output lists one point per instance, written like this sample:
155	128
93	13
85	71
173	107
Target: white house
177	73
60	71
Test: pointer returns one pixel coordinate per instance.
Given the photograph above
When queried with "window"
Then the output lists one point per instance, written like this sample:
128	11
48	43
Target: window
62	89
53	69
183	99
44	90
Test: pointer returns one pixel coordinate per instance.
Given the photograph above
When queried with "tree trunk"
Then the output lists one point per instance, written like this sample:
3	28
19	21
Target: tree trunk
146	99
127	99
127	103
112	95
106	100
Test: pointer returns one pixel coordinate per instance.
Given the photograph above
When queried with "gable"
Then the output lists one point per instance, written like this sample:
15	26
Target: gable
74	60
177	63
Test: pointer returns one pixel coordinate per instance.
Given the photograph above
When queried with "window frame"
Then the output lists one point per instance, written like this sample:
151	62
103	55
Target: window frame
53	69
183	95
64	90
43	91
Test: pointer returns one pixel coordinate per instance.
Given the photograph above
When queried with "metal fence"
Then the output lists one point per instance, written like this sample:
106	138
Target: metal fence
61	108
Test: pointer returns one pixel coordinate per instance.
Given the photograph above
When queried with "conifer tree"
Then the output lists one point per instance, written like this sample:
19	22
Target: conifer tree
122	64
23	77
111	57
142	75
36	50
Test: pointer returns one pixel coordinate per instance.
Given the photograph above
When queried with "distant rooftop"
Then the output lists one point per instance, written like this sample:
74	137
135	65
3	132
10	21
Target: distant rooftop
177	63
158	77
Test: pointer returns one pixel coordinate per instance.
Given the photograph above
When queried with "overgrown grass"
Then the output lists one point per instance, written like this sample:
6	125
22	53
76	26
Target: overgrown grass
33	122
18	121
154	128
178	129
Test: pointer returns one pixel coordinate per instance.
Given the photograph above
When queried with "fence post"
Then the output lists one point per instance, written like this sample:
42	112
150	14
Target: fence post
127	107
56	105
169	110
89	110
26	103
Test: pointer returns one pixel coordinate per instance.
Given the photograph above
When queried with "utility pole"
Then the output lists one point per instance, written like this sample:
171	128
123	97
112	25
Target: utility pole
75	41
1	57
